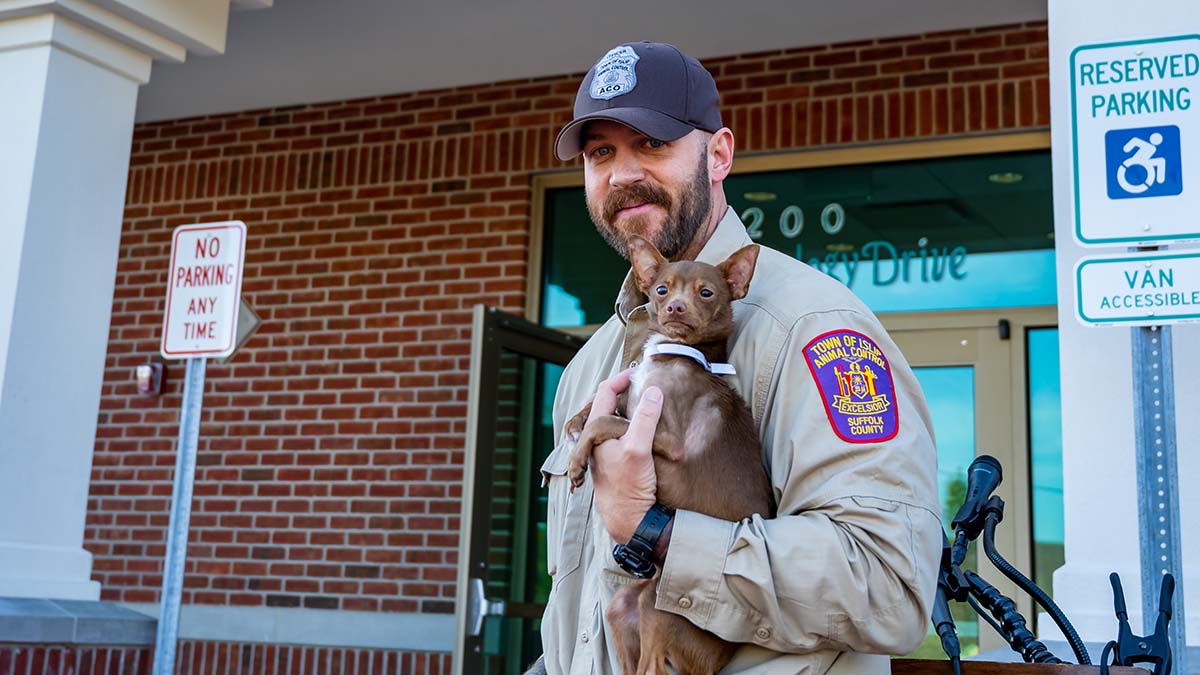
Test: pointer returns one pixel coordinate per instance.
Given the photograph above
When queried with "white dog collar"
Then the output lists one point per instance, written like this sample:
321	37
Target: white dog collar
695	355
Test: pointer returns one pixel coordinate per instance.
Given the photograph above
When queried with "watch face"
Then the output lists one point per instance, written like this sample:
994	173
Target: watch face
633	563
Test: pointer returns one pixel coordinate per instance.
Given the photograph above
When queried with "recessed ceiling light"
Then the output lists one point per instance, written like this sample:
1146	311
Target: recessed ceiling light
760	196
1006	177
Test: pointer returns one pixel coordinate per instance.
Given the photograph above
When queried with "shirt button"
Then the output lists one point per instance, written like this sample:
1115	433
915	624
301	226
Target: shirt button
583	636
763	633
685	602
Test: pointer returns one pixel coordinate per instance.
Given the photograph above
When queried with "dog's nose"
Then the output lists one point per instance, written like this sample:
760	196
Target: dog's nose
676	307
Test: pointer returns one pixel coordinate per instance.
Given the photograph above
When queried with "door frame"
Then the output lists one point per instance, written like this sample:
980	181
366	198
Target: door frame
492	332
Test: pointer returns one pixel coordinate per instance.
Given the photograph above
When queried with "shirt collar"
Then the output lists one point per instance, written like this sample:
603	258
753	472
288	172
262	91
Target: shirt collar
729	236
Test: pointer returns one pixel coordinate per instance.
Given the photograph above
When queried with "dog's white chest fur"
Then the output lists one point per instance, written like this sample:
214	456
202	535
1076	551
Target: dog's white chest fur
637	381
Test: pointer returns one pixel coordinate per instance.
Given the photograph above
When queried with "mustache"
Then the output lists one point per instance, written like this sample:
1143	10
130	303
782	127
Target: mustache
638	193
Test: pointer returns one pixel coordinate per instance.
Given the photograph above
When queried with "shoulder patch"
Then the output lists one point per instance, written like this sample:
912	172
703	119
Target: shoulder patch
855	381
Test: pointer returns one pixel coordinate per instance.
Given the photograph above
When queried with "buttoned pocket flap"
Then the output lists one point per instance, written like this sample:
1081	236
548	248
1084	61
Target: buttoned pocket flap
567	513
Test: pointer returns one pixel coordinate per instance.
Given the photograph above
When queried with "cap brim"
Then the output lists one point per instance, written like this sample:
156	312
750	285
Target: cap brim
651	123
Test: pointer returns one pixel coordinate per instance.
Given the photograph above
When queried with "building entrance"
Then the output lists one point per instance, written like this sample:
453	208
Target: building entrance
973	367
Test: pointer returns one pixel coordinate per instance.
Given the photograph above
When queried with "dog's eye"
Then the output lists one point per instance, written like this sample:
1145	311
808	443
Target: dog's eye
661	290
705	293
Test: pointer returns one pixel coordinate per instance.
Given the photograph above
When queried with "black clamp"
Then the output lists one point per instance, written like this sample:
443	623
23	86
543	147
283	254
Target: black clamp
1129	649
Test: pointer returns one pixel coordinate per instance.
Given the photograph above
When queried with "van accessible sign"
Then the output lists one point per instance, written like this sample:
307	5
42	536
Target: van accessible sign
204	290
1139	289
1135	129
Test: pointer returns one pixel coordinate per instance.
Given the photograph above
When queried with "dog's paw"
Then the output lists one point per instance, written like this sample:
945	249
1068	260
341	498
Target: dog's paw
574	426
575	473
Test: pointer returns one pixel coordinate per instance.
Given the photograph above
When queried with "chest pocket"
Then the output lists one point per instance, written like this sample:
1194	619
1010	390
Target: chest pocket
567	514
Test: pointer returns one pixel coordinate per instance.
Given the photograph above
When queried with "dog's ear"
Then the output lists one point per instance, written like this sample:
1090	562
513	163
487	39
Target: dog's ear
645	260
738	268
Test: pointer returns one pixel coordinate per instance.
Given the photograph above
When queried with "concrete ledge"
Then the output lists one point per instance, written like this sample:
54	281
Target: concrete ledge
318	627
76	622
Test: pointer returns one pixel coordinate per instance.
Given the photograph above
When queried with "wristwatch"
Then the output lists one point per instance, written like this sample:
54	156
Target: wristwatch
635	557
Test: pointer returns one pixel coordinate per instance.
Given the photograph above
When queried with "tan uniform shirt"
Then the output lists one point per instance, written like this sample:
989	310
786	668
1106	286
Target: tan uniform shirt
848	568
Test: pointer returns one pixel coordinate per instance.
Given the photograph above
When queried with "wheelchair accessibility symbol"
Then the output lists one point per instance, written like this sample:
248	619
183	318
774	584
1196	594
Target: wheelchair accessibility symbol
1143	162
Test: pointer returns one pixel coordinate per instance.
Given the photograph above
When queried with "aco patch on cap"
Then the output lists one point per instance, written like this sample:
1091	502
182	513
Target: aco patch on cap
616	73
855	381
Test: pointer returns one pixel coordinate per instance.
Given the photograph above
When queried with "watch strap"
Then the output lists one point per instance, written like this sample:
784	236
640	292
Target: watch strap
636	556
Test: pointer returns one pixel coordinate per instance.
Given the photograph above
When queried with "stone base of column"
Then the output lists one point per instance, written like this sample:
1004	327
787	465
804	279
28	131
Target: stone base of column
46	572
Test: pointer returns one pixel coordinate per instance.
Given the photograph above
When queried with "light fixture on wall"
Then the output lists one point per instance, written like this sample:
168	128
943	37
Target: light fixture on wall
150	378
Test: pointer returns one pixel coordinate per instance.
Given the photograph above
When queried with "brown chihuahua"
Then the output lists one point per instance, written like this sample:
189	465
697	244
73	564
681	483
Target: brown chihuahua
707	455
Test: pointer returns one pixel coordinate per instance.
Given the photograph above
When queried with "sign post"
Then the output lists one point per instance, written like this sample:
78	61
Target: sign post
1135	137
203	295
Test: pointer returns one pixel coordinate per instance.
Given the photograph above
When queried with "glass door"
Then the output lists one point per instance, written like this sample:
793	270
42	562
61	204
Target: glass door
502	579
971	367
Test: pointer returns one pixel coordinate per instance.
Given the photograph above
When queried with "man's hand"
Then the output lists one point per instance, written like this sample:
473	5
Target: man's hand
622	468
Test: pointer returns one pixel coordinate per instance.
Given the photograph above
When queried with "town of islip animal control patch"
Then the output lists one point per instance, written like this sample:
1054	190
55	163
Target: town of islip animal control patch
855	381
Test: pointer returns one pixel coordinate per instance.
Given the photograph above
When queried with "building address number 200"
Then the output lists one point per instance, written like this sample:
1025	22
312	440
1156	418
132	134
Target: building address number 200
791	220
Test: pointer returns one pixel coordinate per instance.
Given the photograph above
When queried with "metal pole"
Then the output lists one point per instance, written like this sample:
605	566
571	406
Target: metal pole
181	511
1158	481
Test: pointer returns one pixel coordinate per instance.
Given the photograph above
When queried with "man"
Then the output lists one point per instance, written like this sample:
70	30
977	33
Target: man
848	568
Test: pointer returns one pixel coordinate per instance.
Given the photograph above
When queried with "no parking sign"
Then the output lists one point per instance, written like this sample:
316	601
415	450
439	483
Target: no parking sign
203	290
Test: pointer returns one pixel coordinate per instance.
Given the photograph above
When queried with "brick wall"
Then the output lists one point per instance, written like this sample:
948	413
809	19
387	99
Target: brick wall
331	447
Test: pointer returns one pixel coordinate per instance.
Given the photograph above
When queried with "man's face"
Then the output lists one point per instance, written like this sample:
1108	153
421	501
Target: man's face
635	185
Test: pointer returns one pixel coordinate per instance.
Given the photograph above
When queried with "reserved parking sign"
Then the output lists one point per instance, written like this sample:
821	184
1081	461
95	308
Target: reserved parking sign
1135	129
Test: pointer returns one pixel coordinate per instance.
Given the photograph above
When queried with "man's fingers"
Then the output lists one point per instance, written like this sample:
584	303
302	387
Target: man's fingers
645	419
605	402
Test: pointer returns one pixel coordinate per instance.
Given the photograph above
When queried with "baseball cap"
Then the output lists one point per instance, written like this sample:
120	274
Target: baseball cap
651	87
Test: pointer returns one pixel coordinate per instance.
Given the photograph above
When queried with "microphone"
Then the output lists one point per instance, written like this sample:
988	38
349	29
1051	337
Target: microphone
983	476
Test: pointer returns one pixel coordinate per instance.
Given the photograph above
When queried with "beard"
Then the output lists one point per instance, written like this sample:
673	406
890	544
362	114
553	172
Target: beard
686	213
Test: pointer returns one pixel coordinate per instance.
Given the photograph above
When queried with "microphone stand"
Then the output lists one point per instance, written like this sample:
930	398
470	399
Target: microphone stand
955	584
950	585
993	512
1012	626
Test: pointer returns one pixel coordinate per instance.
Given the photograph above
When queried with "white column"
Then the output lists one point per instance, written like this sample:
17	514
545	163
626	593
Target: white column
1099	488
65	128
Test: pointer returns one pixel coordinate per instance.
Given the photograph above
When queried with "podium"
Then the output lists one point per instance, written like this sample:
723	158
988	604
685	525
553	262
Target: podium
932	667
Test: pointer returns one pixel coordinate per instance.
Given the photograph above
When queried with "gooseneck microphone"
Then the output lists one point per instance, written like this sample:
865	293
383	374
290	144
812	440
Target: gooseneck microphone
982	478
